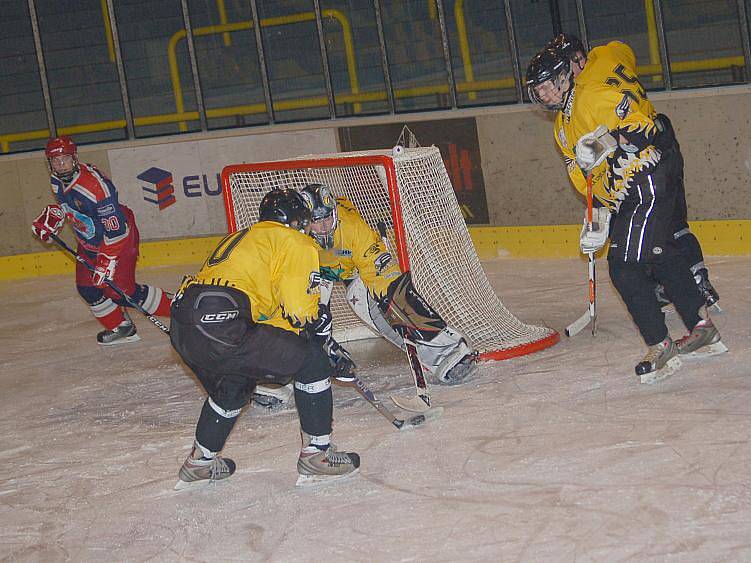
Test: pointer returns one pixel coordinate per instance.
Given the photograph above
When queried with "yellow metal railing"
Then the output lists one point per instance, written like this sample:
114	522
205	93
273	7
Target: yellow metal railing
349	48
356	98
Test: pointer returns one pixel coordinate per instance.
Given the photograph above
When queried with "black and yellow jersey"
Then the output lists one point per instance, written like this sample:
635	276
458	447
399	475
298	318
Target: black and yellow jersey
358	250
608	92
275	266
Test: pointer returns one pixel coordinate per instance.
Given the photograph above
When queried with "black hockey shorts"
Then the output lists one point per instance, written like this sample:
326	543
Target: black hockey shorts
643	228
212	330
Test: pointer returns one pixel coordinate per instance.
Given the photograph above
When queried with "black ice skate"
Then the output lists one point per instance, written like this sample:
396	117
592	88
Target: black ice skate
121	334
704	341
198	471
659	363
318	467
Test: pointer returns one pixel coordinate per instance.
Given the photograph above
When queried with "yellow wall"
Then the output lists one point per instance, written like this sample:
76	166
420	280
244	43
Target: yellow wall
718	238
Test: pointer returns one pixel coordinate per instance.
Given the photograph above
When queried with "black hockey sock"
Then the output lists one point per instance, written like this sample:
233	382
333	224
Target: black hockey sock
213	428
636	288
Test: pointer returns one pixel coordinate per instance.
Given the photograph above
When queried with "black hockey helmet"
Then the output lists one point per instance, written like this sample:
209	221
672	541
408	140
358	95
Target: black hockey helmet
549	65
567	45
285	206
323	205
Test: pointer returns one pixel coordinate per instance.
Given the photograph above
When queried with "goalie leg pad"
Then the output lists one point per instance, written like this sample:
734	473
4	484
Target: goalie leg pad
368	311
448	357
404	307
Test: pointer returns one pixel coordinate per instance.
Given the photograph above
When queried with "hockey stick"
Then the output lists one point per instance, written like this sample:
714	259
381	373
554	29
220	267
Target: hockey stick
421	402
368	395
62	244
590	316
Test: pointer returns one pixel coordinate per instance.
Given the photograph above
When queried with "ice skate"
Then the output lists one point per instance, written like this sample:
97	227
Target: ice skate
197	471
704	341
273	398
711	297
121	334
318	467
660	362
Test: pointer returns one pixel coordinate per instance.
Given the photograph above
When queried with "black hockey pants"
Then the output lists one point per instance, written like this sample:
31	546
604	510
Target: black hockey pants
643	250
212	330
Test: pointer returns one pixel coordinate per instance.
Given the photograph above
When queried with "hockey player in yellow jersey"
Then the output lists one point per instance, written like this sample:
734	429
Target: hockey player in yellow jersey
252	313
606	126
605	66
383	297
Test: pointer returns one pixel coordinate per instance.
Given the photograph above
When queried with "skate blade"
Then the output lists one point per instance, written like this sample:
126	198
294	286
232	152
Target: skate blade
134	338
418	420
715	307
706	351
661	374
193	485
411	404
305	481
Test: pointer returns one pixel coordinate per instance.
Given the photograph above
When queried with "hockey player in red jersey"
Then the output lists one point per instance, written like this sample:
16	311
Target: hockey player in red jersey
107	237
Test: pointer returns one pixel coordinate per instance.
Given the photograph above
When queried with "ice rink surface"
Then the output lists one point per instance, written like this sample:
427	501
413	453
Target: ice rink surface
559	456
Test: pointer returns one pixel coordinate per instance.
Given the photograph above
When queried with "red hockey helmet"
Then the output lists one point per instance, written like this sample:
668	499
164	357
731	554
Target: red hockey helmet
60	145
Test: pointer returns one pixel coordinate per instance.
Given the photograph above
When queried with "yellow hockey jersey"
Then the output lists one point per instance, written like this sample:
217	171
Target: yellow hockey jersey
358	249
275	266
608	92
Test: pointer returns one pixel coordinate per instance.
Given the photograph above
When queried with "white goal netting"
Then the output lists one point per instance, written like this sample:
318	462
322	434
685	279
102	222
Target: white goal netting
412	194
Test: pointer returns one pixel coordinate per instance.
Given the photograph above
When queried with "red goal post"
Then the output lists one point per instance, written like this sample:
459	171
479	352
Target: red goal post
412	194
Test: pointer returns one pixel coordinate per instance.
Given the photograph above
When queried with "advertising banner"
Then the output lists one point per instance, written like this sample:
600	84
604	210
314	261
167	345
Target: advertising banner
175	189
459	146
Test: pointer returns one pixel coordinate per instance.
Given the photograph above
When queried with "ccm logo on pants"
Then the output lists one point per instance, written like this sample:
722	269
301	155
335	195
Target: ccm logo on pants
220	317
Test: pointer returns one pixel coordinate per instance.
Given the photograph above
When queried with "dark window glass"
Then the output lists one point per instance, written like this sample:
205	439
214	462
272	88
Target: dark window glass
293	58
81	70
416	63
23	119
227	63
480	52
704	42
157	67
354	55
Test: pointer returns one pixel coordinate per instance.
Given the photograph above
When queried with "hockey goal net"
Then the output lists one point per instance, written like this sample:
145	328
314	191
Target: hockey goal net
412	194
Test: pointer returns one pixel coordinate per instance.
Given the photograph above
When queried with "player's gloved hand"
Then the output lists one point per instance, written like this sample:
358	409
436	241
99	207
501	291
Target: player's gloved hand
49	222
105	269
320	329
593	239
344	366
593	148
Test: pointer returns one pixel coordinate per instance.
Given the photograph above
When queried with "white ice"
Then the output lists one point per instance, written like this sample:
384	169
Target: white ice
558	456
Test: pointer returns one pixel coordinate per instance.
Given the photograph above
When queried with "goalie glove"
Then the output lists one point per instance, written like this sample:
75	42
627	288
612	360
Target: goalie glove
105	269
593	148
341	360
593	239
49	222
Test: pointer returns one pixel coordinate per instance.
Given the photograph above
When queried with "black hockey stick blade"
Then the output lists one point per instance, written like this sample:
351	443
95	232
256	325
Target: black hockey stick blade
419	419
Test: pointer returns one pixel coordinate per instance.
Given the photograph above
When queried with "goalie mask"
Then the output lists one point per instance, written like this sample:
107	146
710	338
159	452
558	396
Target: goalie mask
287	207
62	158
324	221
549	80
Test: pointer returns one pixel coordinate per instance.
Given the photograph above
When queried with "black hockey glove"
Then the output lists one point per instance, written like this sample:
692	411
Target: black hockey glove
344	366
319	330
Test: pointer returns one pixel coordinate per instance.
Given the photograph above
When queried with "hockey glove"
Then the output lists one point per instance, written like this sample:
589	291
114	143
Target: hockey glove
593	239
105	269
319	330
344	366
595	147
49	222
